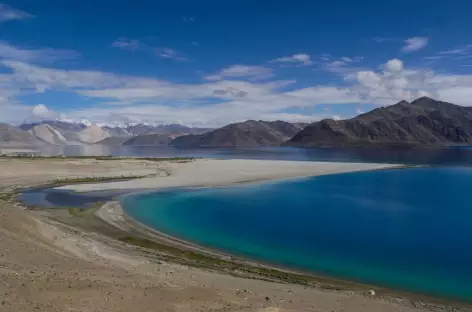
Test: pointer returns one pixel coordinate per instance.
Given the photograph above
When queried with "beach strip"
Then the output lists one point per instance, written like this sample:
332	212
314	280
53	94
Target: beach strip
216	172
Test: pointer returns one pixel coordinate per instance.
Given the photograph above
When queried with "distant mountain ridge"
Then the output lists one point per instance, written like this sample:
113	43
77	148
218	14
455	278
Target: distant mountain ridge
423	122
85	132
248	133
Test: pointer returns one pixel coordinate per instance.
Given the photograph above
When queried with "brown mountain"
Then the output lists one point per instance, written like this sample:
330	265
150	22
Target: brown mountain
248	133
10	135
423	122
284	128
151	139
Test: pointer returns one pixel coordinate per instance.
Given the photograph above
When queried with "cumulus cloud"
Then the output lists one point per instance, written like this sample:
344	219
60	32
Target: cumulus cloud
415	44
395	83
8	13
300	59
394	65
45	55
240	71
42	112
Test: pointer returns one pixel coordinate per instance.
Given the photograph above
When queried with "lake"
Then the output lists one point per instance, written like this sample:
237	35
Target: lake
449	156
407	229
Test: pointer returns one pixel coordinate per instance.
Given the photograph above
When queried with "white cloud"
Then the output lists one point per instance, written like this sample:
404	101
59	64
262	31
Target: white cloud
42	112
457	51
8	13
15	114
343	65
162	52
242	71
394	65
11	52
127	44
454	51
433	58
223	98
415	44
335	66
172	54
34	77
299	58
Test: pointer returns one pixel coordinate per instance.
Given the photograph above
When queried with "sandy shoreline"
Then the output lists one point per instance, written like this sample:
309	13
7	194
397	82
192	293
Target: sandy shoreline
52	264
213	172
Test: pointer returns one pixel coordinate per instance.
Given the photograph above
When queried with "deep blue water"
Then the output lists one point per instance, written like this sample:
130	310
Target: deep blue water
449	156
408	229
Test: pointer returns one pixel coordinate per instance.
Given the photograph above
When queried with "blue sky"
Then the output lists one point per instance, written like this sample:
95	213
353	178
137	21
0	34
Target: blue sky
209	63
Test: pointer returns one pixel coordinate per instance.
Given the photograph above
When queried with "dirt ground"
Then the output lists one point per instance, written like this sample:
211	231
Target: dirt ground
46	267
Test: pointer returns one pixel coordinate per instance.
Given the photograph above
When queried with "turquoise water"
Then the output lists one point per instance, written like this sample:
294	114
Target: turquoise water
408	229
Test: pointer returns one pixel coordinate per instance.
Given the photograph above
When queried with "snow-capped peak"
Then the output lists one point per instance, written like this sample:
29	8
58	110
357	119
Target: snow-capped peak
85	122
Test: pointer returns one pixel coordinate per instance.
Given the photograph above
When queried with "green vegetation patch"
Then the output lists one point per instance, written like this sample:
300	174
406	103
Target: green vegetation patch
177	159
96	179
188	257
85	212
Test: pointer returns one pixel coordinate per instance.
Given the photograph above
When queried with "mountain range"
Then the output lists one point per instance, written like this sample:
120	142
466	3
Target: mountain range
60	132
423	122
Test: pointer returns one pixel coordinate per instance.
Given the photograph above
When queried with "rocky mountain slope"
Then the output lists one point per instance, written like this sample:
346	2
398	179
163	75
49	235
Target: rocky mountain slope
285	129
68	130
14	136
112	141
423	122
48	134
50	131
117	132
151	139
248	133
92	134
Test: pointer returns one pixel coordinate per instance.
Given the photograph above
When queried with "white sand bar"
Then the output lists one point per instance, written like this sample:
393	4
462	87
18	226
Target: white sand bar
213	172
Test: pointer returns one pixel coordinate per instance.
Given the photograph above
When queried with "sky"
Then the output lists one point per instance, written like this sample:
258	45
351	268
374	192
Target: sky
210	63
